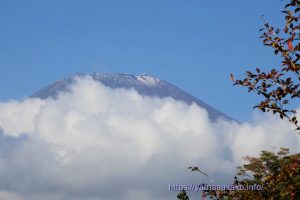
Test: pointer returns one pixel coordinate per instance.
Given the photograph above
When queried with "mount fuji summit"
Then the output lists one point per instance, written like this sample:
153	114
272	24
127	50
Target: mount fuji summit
144	84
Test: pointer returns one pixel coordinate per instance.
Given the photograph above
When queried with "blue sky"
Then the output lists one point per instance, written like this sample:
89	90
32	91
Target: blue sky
193	44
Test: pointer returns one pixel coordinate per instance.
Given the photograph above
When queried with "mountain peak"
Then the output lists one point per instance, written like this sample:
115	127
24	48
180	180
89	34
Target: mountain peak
147	79
144	84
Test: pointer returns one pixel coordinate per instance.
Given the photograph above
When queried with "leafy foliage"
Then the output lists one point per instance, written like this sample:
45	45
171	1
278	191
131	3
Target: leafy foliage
278	176
182	195
280	86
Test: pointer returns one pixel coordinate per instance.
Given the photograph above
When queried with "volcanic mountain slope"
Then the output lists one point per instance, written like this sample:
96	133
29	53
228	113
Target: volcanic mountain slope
144	84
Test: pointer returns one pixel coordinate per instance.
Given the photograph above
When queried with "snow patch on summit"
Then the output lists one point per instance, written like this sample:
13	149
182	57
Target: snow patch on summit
147	79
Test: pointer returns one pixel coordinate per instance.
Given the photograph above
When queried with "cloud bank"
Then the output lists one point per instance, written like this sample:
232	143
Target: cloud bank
101	143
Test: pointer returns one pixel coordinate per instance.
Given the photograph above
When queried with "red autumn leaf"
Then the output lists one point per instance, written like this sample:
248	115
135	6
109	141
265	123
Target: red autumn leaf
290	45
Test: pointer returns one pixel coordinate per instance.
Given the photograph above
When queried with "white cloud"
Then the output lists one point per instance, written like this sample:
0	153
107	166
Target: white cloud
16	117
100	143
